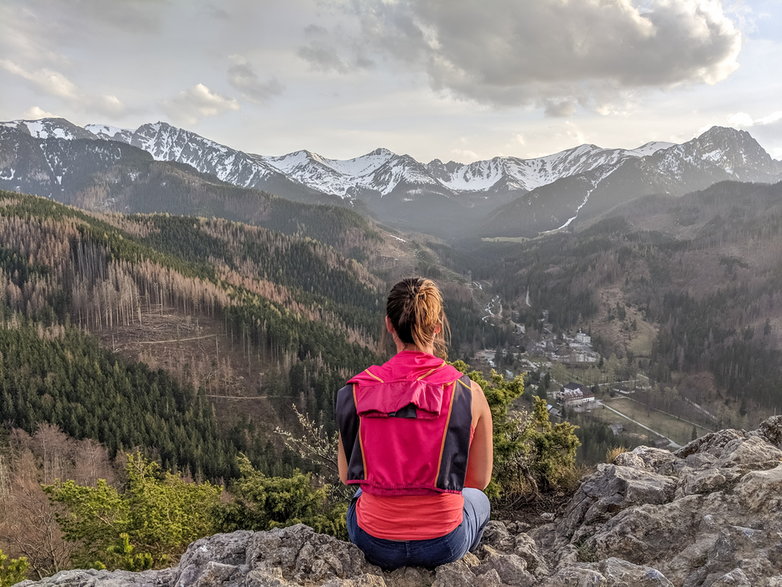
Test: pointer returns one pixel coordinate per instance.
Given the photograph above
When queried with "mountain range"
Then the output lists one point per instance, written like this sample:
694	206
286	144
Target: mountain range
502	196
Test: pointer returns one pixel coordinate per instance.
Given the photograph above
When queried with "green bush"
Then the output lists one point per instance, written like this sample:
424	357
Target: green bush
12	570
531	454
153	519
262	503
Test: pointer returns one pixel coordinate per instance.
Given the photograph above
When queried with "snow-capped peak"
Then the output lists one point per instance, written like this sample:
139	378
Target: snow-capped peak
51	128
381	171
104	131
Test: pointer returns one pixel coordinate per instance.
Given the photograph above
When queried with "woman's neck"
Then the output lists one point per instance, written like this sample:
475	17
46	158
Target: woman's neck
401	346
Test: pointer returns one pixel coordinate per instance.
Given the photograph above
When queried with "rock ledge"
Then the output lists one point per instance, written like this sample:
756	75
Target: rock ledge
709	514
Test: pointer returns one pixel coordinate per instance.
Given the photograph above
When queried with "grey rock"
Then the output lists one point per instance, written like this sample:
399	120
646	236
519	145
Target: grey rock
735	578
90	577
725	514
611	489
575	576
526	547
227	549
702	451
771	431
454	575
496	535
749	454
303	555
410	577
620	572
490	579
511	568
709	514
652	459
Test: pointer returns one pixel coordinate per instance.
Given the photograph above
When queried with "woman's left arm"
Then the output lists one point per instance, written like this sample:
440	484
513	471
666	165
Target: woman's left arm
480	460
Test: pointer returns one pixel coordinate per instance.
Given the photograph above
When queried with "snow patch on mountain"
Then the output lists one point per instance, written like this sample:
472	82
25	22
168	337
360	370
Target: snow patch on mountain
40	130
110	133
649	149
359	166
528	174
50	128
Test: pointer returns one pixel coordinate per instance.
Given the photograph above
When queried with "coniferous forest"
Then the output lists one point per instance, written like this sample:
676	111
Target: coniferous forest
176	350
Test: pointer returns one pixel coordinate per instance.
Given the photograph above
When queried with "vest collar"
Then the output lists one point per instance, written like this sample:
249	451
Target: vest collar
410	366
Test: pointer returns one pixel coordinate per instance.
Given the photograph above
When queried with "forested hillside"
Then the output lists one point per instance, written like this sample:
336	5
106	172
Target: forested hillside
701	273
243	320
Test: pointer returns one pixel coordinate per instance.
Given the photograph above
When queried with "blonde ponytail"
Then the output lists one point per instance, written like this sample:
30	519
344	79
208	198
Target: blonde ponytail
415	308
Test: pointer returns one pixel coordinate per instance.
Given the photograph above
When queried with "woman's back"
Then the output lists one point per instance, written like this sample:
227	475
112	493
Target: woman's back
414	432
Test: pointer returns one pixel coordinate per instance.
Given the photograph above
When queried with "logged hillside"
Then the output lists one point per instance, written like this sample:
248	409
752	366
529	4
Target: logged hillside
242	320
701	273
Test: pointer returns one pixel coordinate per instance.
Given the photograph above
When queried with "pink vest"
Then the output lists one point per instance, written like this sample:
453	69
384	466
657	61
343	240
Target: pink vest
405	426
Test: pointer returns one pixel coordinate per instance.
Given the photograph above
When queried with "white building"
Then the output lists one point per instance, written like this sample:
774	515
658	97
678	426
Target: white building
583	338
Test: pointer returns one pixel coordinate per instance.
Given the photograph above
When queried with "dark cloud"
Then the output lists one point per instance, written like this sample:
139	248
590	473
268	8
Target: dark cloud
137	16
559	108
520	51
217	12
242	77
334	50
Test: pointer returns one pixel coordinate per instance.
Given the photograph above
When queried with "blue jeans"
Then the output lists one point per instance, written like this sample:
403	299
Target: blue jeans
392	554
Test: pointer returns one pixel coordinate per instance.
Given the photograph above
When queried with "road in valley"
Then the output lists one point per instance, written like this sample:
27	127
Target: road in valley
636	422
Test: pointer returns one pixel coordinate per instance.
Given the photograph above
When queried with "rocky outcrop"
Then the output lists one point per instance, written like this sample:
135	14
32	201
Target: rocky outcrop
709	514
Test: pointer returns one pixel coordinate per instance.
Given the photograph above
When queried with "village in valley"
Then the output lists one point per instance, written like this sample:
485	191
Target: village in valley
588	389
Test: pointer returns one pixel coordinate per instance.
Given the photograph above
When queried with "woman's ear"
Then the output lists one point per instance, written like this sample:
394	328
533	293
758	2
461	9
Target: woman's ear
389	326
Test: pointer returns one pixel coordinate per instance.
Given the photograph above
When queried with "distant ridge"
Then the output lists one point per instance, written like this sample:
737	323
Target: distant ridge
502	196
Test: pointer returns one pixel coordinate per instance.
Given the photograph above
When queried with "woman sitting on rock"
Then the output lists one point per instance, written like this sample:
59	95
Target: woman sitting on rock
416	436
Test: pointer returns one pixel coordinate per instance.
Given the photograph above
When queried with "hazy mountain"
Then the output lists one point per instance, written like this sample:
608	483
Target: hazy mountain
111	176
380	172
503	196
717	155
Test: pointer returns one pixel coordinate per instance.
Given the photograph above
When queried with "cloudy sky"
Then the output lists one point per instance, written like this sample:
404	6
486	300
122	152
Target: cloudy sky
449	79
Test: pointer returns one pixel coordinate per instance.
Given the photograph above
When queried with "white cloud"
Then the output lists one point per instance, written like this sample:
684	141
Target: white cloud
46	80
198	102
559	108
740	120
108	104
336	50
767	129
57	85
36	112
744	120
772	118
465	155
